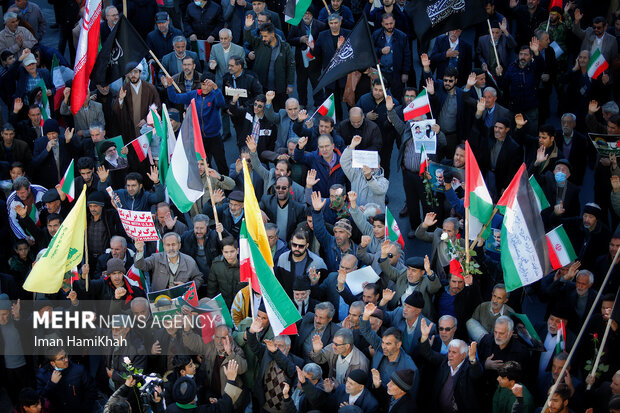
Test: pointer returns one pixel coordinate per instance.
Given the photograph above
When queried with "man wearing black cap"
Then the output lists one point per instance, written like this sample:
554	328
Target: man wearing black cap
230	214
102	224
396	394
53	152
588	234
559	189
13	150
417	277
134	101
160	39
557	322
354	392
209	100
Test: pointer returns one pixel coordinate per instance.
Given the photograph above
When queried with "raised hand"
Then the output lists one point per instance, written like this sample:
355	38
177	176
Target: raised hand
317	343
480	106
424	59
154	174
271	346
301	143
270	95
517	390
471	80
342	278
389	102
328	385
21	210
356	140
369	309
352	195
256	326
139	246
388	295
218	196
472	351
376	378
311	178
18	104
228	345
249	20
534	45
301	376
503	25
593	107
427	265
429	220
231	369
169	221
615	183
578	15
430	86
119	293
302	115
122	93
385	248
541	157
425	329
365	241
520	121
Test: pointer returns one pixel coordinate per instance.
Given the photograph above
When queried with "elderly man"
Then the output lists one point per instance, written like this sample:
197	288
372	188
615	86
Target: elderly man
111	18
354	392
30	13
358	125
170	267
222	52
217	354
91	113
284	119
341	356
160	39
483	319
118	249
493	111
164	221
370	184
461	375
318	323
14	37
440	260
173	61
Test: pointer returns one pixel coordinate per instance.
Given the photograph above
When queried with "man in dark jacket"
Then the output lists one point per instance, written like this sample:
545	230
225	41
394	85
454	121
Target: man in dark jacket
325	160
574	145
201	243
133	196
160	39
357	124
274	62
452	51
282	209
456	379
53	153
239	78
203	20
67	385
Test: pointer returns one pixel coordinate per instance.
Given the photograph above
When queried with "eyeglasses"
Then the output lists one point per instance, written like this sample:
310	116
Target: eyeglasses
337	344
281	188
445	328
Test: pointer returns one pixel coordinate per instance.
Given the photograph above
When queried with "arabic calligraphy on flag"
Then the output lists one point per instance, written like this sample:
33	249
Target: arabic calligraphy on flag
138	225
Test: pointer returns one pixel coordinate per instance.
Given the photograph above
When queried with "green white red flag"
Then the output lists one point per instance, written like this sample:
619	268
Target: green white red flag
136	277
423	160
67	183
141	145
86	53
477	197
281	311
524	245
561	252
392	231
560	338
418	106
597	64
328	108
46	113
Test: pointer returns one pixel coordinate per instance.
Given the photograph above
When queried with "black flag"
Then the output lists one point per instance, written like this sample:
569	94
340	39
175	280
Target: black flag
124	45
431	18
356	53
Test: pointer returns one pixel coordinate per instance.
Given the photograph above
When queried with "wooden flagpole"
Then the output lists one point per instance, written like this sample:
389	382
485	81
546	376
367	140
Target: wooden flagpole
484	228
603	341
381	79
164	70
326	8
217	221
493	42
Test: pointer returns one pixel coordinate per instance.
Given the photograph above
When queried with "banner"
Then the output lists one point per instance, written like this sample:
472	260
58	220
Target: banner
138	225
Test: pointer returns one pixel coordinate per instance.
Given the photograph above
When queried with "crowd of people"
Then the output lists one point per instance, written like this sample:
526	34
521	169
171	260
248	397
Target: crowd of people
426	335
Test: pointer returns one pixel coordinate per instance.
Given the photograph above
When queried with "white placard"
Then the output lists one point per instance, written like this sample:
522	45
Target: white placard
231	91
424	135
368	158
138	225
356	279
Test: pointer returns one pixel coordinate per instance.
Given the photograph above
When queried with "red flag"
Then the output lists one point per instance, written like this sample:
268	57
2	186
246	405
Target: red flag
191	296
554	3
87	49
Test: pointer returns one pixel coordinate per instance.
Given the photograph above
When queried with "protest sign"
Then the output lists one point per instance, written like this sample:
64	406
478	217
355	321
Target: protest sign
423	134
138	225
368	158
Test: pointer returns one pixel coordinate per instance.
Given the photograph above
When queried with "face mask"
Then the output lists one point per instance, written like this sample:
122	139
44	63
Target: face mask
191	376
198	3
560	177
58	368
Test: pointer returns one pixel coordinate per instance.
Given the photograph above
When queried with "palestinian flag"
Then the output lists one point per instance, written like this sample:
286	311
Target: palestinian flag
597	64
60	75
183	180
45	104
294	10
280	309
136	277
418	107
392	232
328	108
560	338
423	161
198	143
561	252
477	197
67	183
541	198
141	145
524	254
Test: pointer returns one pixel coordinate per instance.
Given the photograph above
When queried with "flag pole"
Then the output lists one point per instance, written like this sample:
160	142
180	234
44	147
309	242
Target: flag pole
603	341
484	228
217	221
251	292
86	251
164	70
547	30
582	331
381	79
467	257
326	8
493	41
125	7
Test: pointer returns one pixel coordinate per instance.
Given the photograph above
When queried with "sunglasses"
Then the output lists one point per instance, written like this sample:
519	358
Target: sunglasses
281	188
300	246
258	105
445	328
390	255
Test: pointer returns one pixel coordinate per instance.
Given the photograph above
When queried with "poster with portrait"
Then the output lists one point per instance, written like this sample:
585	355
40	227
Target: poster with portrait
493	242
439	173
118	142
423	134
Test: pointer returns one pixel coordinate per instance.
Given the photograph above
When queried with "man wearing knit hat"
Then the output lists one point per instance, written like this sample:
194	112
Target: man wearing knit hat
53	152
355	393
588	233
407	318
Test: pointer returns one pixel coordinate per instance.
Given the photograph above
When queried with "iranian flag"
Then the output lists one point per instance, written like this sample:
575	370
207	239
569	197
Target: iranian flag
183	180
136	277
202	49
45	103
306	54
423	161
60	75
477	197
87	49
280	309
541	198
392	232
560	338
328	108
198	143
524	245
141	145
597	64
294	10
561	252
418	107
67	183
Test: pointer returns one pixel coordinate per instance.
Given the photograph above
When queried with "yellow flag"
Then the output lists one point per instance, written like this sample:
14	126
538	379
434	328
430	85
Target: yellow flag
65	252
253	216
